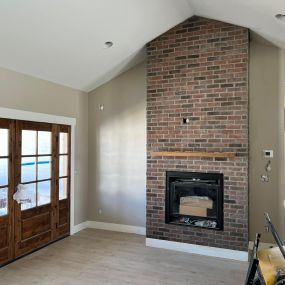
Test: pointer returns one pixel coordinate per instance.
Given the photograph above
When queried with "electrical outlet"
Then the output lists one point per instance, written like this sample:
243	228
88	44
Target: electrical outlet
268	153
100	211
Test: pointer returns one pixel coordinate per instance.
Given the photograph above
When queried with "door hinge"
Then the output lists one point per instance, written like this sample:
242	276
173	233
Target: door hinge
56	225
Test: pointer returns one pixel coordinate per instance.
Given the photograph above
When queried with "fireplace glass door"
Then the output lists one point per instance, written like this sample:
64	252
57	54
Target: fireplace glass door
194	199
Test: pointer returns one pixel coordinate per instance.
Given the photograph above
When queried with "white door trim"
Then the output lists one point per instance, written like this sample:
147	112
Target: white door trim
15	114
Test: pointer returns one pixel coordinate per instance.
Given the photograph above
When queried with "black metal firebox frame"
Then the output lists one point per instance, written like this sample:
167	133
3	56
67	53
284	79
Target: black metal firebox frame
196	176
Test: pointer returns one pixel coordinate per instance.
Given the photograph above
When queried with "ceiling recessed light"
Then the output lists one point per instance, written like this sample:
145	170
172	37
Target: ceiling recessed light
280	17
108	44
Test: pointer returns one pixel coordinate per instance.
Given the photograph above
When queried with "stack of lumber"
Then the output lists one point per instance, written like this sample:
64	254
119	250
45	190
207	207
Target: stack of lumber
195	205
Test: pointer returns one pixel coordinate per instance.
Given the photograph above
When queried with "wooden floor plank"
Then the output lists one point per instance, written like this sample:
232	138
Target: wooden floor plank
101	257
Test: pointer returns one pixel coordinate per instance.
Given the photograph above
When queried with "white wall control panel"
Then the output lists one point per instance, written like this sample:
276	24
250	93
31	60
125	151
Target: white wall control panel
268	153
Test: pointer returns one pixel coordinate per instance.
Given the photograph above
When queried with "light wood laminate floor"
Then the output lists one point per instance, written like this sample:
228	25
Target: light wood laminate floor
102	257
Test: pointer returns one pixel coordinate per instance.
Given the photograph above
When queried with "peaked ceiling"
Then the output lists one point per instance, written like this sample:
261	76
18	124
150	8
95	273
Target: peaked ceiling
257	15
63	41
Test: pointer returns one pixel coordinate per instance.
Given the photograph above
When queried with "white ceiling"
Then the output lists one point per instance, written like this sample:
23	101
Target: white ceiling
63	40
257	15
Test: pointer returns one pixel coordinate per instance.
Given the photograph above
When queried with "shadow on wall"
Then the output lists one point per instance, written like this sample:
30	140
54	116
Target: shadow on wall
266	132
117	168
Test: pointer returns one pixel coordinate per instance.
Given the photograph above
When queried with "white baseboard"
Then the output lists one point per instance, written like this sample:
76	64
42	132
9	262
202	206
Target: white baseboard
116	228
78	228
109	227
198	249
171	245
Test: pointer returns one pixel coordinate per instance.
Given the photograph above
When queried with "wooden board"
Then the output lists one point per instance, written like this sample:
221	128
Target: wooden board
193	154
270	260
192	211
196	201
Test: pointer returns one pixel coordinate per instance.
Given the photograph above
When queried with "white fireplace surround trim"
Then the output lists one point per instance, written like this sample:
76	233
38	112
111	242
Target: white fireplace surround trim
198	249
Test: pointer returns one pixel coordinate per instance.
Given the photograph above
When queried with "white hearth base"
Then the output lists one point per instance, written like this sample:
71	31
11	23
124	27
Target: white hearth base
198	249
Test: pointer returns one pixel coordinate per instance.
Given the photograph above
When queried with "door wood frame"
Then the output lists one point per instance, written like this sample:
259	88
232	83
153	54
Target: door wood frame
15	114
7	221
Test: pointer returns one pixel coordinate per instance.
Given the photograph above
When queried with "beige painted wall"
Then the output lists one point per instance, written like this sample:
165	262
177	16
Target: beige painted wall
18	91
117	138
266	132
282	141
117	150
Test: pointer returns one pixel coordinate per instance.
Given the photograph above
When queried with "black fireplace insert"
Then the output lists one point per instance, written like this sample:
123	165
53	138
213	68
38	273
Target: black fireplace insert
195	199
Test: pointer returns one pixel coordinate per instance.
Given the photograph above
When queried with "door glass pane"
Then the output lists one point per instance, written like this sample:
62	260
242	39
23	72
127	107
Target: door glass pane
30	201
3	201
63	188
43	193
63	165
3	171
44	142
4	142
63	143
44	167
29	142
28	169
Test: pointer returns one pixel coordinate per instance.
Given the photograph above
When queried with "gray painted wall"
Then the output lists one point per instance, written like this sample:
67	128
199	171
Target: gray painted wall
18	91
266	132
117	150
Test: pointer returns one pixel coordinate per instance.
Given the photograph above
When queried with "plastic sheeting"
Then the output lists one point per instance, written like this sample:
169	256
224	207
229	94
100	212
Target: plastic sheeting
23	194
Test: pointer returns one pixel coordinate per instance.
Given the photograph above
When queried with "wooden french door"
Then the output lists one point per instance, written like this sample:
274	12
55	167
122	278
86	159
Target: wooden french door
6	190
39	165
63	181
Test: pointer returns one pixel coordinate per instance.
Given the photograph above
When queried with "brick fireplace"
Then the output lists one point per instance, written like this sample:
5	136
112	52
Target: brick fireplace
197	101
